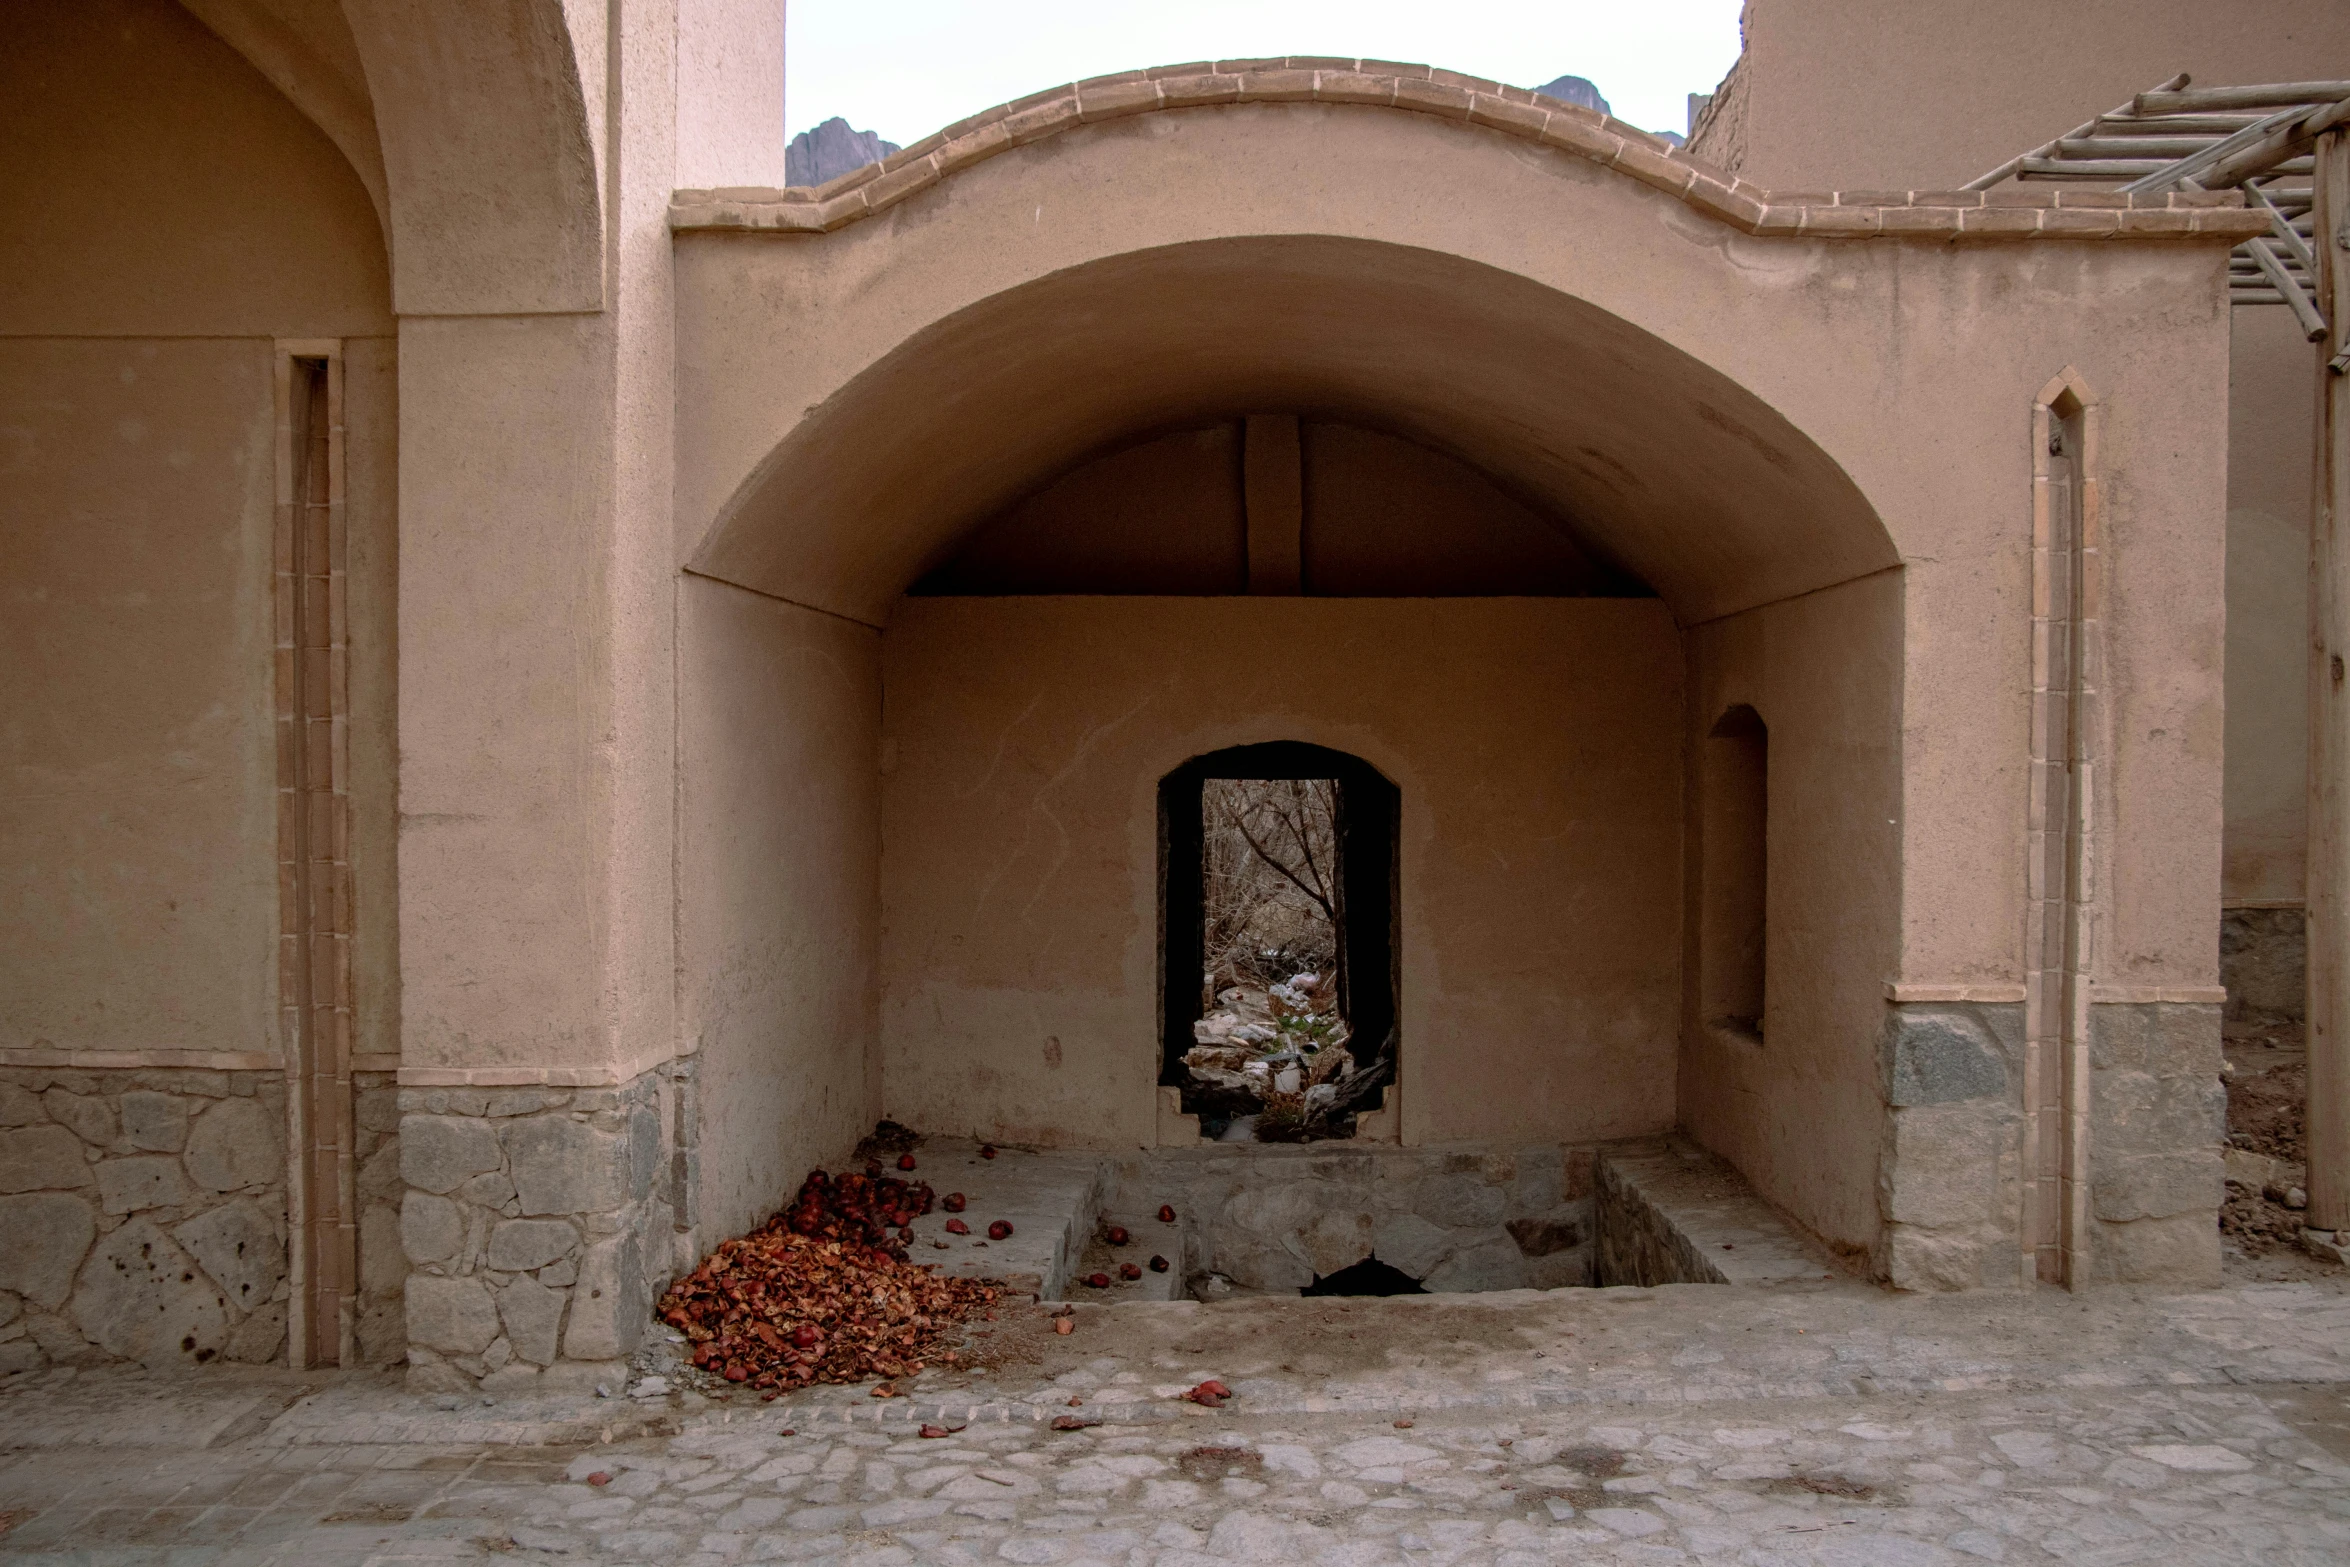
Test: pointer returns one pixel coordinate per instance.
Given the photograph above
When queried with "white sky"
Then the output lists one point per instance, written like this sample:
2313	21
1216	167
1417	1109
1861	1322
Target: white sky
905	68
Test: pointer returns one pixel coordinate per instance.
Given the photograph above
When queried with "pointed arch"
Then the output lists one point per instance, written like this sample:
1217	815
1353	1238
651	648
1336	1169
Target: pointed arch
490	165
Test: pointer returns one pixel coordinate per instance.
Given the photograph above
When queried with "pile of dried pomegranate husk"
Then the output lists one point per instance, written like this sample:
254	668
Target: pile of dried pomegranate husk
822	1292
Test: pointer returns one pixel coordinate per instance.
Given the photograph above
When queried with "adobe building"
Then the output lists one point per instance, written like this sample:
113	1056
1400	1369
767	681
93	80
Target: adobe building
552	683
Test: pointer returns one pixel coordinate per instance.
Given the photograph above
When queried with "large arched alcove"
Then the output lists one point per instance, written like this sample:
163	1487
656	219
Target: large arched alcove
1685	478
1022	724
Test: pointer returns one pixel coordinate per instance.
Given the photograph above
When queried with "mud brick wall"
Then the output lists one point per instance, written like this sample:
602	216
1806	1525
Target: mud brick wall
1949	1182
142	1216
2263	962
538	1227
2157	1120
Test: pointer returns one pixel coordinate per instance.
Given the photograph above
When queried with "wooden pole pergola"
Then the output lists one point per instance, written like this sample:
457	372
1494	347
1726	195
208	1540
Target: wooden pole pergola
2286	145
2329	700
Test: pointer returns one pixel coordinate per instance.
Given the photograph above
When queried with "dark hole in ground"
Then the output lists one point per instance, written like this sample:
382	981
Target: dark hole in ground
1367	1277
1842	1486
1220	1463
1601	1463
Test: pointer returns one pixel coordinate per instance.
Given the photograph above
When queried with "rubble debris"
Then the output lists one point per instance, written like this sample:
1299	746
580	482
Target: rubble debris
822	1292
2267	1087
886	1141
1277	1064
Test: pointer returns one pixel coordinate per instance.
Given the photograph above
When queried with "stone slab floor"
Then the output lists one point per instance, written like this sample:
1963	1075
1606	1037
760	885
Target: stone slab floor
1685	1424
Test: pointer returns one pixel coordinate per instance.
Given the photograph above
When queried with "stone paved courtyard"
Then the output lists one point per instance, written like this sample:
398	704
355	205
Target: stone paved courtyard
1688	1423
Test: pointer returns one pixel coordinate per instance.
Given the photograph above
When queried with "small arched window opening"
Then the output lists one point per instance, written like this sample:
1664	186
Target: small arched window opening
1277	939
1734	874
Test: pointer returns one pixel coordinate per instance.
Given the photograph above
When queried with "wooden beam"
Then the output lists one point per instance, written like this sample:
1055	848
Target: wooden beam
1986	181
2146	146
2255	148
2174	124
2279	149
1273	487
2092	168
2328	1110
2313	325
2203	100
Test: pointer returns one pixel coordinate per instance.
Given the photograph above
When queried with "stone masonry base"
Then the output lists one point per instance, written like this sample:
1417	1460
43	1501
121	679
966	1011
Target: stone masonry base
2157	1122
538	1225
143	1216
1950	1183
1950	1179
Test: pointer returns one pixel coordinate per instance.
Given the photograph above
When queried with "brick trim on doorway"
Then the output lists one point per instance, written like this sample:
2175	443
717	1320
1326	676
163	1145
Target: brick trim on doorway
311	649
2067	751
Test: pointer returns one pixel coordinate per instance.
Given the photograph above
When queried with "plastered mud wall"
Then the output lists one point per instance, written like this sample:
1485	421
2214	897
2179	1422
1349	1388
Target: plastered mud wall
137	756
1799	1109
779	919
1536	744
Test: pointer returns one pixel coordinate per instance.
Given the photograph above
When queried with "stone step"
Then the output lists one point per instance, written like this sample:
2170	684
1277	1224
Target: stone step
1177	1242
1671	1213
1049	1198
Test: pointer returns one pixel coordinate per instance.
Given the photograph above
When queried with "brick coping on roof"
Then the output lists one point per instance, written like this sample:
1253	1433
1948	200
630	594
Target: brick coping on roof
2012	214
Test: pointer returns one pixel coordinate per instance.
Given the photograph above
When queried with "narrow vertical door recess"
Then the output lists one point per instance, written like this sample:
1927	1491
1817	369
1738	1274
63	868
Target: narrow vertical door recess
1734	879
314	855
2066	562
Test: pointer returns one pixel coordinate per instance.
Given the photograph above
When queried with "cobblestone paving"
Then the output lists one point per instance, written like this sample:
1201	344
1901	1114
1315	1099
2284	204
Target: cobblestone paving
2183	1470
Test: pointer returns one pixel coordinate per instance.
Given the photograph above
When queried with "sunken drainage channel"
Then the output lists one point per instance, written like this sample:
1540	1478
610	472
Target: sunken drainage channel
1324	1219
